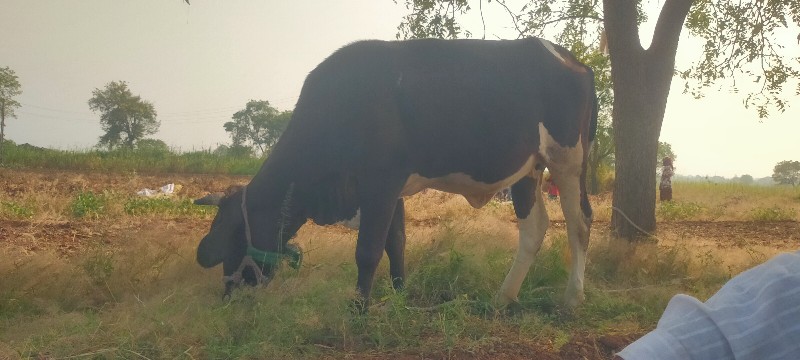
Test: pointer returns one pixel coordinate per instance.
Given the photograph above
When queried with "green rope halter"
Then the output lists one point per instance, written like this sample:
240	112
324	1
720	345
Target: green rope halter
258	259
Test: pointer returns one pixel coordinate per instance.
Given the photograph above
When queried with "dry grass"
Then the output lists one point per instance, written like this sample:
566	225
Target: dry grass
134	290
738	202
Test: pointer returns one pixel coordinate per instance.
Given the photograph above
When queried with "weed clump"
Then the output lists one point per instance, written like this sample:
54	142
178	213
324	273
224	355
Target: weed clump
87	203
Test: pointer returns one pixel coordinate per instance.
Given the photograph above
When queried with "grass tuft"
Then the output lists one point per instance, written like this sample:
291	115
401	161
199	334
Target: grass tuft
774	213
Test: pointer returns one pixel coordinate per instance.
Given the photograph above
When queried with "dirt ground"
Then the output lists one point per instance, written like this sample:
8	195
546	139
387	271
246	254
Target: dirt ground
69	236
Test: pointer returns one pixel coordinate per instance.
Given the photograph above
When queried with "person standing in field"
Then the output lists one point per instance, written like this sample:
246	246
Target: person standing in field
665	188
550	187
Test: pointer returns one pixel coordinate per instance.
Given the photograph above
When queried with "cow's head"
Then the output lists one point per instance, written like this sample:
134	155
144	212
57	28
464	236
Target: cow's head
226	241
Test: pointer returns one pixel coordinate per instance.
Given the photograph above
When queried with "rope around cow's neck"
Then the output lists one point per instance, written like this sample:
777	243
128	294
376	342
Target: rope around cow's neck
248	261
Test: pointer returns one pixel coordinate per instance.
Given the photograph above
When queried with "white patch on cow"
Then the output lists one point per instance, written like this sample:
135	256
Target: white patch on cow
549	46
558	155
477	193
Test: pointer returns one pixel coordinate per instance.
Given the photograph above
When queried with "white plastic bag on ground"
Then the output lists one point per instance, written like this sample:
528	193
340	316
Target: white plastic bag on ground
164	191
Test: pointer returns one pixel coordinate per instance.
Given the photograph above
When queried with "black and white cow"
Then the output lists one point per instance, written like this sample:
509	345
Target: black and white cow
380	120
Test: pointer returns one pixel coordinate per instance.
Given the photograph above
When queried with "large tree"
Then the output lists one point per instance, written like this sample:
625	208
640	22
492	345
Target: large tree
258	125
9	88
787	172
740	39
125	118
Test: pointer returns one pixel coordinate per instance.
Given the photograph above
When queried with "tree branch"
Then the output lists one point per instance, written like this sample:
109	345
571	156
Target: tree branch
514	18
621	27
668	28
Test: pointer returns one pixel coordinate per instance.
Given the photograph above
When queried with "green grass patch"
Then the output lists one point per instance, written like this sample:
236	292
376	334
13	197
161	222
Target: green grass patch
142	161
678	210
88	204
15	210
166	206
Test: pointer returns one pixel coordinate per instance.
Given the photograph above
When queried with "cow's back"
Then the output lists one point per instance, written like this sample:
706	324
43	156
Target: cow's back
437	106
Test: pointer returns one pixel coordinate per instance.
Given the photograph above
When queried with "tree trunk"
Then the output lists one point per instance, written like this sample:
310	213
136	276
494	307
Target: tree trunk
637	125
641	86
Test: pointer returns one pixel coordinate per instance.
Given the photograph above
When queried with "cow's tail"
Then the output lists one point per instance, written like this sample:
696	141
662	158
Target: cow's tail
585	206
595	107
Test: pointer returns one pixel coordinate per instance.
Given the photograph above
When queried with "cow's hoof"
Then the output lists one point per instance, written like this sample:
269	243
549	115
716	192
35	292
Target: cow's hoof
573	299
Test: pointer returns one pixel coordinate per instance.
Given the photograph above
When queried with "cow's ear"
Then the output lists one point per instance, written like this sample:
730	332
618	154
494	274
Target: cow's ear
210	199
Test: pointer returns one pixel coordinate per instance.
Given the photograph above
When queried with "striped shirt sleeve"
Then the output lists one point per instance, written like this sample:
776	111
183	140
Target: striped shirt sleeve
756	315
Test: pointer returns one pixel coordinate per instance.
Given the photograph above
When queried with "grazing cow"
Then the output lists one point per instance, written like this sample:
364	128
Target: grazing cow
380	120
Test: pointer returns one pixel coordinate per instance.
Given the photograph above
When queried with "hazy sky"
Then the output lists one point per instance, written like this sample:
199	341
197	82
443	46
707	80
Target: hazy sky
200	63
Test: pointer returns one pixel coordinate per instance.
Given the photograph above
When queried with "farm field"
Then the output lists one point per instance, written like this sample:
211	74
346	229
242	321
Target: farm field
91	270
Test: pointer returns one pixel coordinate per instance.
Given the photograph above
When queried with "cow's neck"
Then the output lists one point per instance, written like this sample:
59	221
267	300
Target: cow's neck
270	194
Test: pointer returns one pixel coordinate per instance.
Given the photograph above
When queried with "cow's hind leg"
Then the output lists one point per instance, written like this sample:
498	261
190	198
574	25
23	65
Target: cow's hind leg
533	222
396	246
578	215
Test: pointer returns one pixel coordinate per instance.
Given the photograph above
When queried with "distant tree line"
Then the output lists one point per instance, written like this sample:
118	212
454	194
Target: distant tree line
127	120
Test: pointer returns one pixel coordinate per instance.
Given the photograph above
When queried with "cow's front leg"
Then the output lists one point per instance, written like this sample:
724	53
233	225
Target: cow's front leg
396	246
378	200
